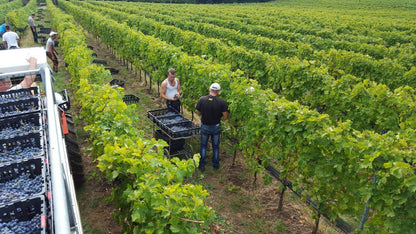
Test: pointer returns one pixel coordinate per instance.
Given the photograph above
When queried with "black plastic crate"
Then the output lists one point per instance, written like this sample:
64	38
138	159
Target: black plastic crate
175	145
160	113
19	107
66	103
183	129
13	95
100	61
163	120
42	39
130	98
17	215
44	30
20	125
22	180
117	82
113	71
21	147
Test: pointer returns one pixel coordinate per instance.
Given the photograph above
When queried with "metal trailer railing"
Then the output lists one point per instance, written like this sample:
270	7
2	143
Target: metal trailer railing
66	217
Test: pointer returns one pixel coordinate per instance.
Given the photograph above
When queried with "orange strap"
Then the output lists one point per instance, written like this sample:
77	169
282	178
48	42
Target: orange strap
64	124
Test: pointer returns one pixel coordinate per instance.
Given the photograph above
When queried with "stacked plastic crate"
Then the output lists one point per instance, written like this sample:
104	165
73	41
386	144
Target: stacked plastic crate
23	163
173	123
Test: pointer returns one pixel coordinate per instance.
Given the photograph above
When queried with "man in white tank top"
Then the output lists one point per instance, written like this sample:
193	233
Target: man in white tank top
171	91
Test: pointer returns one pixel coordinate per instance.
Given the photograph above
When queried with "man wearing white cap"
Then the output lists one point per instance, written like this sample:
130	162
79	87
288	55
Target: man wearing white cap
50	50
211	108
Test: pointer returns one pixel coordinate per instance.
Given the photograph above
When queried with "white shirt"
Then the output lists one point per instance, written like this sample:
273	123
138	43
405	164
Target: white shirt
31	21
171	91
11	39
49	42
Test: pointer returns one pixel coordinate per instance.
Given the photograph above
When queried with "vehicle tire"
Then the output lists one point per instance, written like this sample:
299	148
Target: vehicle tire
74	154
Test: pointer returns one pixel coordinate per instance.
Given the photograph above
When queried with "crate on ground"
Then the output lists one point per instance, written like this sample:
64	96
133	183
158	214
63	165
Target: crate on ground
100	61
182	129
160	113
113	71
44	30
117	82
22	180
20	125
42	39
174	146
21	30
28	216
19	107
130	98
22	147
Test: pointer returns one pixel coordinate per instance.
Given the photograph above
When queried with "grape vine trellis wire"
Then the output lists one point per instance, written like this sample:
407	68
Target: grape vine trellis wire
340	223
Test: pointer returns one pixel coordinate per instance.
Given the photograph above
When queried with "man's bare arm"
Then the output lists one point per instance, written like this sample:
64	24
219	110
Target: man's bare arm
225	115
163	89
29	79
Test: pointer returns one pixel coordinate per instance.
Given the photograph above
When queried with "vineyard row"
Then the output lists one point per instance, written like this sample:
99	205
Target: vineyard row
367	104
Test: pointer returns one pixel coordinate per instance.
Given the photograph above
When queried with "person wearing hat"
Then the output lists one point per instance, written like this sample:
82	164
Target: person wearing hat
50	50
170	90
211	108
10	39
32	27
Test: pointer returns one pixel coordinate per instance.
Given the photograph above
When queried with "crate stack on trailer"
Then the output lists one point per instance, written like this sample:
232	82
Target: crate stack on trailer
24	172
37	192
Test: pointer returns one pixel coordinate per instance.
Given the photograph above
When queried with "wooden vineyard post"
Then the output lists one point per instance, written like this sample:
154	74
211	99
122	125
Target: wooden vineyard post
150	83
282	193
315	230
234	156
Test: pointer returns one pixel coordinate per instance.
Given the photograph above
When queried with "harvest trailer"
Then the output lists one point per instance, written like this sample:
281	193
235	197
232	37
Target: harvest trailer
36	182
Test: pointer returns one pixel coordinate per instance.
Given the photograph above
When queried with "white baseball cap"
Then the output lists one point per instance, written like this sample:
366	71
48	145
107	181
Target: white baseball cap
215	87
52	33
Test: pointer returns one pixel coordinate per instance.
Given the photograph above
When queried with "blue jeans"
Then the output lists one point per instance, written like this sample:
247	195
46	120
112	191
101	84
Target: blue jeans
35	34
213	131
